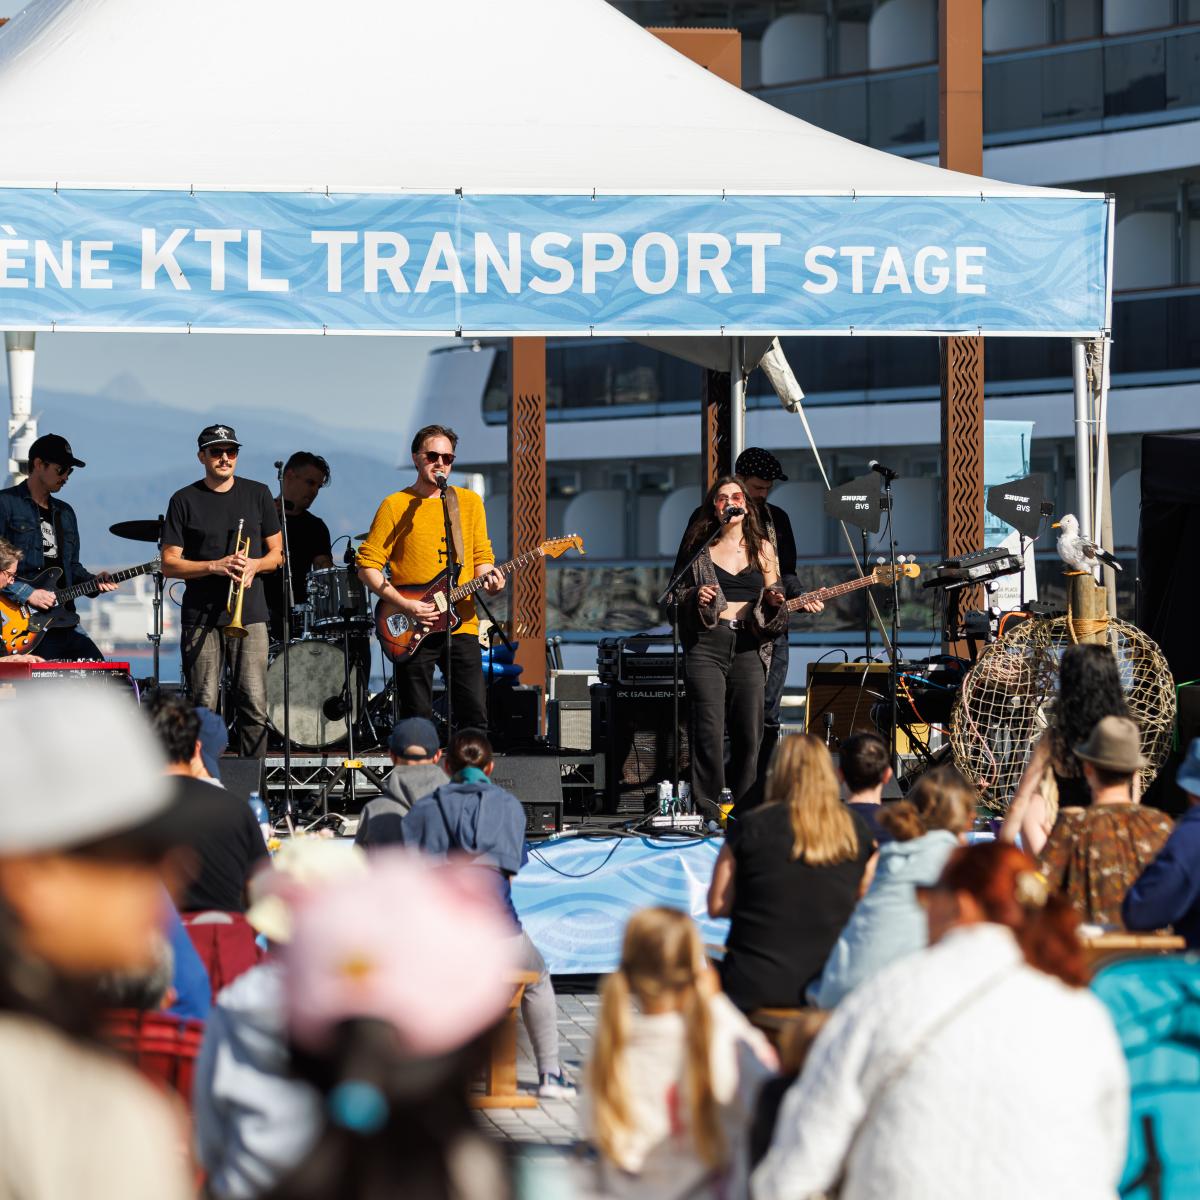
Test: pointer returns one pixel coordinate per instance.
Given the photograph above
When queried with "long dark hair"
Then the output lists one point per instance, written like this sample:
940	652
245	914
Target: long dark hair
1089	688
409	1152
707	524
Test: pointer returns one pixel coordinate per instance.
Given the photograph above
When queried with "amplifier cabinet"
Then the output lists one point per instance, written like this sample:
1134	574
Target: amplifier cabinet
851	693
570	724
631	725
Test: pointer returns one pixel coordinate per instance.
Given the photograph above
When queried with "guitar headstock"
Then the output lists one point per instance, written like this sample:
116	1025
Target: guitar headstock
903	570
553	547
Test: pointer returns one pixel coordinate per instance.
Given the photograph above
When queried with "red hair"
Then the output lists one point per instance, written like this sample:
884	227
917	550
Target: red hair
1005	883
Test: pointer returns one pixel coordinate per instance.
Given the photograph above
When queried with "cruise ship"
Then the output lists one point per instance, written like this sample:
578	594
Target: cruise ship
1097	95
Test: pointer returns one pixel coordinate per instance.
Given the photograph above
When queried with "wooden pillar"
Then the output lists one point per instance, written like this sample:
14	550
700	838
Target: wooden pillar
718	51
960	126
527	502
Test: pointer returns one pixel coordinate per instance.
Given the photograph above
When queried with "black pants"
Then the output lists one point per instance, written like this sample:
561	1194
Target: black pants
64	644
776	678
414	680
725	683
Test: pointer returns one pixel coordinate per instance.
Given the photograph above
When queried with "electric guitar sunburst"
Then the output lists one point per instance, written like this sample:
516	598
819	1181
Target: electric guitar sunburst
400	635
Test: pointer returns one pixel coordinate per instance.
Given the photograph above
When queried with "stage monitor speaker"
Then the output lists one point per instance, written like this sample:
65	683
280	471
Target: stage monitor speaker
515	716
535	780
850	692
631	724
241	776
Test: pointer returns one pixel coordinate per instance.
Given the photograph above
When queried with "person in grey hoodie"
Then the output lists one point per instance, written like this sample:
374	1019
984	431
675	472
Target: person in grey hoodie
888	923
416	771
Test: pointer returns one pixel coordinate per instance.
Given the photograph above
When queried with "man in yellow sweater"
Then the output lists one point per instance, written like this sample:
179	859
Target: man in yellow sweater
408	535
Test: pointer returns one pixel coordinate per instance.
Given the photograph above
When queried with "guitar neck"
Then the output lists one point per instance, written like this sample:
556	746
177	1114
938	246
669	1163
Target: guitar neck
86	589
514	564
838	589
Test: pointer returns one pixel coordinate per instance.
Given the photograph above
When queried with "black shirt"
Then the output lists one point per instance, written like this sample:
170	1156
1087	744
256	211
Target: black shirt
307	539
786	914
870	813
204	524
226	857
785	548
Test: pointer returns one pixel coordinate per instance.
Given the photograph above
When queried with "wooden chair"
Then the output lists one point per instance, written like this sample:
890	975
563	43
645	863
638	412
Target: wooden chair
1101	947
500	1075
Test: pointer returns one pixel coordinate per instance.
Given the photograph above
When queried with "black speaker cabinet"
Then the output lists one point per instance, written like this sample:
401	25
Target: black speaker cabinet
241	776
535	780
631	726
515	716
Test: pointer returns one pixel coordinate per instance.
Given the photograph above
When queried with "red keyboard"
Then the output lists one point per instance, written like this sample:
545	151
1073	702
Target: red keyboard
65	670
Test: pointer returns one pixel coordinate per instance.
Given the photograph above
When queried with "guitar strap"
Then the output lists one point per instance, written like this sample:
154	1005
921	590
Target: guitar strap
455	525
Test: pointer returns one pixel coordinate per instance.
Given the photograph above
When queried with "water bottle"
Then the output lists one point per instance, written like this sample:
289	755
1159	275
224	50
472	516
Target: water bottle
263	816
725	804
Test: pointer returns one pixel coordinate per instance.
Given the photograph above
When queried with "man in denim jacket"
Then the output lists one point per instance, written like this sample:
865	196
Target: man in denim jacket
46	532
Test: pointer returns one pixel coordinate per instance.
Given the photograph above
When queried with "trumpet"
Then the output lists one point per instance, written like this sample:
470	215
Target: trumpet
237	588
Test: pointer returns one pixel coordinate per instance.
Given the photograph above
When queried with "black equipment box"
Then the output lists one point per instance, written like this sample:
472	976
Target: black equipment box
639	659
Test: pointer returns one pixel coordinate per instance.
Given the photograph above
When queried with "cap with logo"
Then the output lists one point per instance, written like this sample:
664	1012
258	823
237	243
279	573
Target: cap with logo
759	463
217	435
53	448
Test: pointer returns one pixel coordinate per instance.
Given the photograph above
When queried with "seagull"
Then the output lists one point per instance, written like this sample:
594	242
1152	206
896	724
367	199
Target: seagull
1080	553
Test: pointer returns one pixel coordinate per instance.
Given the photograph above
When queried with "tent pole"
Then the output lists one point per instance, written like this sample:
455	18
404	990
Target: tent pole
1103	503
737	398
1083	444
22	425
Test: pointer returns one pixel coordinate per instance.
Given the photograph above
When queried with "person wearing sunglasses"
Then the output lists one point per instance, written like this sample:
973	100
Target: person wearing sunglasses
199	547
408	536
46	532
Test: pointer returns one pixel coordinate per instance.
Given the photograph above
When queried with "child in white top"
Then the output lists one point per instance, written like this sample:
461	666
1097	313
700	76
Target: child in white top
675	1071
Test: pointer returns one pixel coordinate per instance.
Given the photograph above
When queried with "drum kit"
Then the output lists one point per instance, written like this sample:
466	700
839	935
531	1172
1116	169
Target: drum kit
329	657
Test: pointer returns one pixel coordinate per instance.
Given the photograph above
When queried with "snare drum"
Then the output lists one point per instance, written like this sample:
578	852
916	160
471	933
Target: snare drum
336	597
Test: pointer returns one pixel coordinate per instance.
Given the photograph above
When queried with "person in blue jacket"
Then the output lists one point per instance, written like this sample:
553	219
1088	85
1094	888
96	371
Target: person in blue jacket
1168	891
471	815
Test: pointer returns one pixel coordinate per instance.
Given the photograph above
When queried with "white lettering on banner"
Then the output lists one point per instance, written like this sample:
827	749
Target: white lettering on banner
593	265
60	268
758	243
441	264
554	262
931	283
88	265
374	261
156	258
892	272
255	280
714	267
813	263
333	240
217	240
8	247
856	254
967	271
487	254
670	268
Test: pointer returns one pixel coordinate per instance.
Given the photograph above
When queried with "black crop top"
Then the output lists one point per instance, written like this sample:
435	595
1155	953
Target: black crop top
745	585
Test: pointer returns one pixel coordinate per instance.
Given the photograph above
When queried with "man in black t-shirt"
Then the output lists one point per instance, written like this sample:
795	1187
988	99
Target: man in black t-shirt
304	475
199	540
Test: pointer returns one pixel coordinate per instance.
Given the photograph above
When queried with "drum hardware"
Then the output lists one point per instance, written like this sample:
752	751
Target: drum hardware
149	531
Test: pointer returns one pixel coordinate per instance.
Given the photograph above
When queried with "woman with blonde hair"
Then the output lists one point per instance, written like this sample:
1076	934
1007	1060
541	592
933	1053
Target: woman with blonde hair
675	1069
788	878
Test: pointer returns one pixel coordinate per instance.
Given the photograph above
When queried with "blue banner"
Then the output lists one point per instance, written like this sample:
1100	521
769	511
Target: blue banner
510	264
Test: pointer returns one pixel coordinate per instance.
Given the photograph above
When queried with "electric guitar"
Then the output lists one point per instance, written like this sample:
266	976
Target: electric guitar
22	627
881	575
400	635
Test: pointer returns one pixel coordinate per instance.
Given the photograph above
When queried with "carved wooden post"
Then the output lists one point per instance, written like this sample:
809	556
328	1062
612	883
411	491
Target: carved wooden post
527	502
960	121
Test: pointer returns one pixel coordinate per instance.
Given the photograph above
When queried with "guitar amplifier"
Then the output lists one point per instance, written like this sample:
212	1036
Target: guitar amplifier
852	693
570	724
632	727
642	659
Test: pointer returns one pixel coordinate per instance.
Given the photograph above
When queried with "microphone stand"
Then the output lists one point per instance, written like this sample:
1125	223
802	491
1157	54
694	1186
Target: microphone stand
288	599
894	667
668	600
495	630
448	573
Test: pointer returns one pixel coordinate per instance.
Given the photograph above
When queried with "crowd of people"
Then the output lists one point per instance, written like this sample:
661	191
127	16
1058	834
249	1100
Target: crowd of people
939	1036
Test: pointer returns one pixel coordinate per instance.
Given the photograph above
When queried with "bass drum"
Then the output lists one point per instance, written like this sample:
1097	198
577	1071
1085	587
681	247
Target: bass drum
318	679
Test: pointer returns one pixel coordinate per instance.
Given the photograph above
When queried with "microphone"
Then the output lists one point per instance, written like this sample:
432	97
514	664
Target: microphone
279	464
440	480
880	469
731	512
828	728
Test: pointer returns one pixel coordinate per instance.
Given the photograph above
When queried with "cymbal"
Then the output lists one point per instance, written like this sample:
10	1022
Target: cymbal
138	531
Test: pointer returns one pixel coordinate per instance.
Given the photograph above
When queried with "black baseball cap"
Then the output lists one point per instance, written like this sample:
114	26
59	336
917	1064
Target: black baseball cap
53	448
414	731
217	435
760	463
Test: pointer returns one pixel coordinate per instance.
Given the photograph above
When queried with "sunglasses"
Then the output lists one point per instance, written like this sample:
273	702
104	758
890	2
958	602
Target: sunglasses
432	456
222	451
63	472
733	498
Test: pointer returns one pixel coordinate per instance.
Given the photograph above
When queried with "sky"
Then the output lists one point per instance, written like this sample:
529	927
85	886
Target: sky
363	383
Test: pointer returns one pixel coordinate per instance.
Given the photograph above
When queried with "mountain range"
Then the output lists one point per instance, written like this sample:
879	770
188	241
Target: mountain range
139	451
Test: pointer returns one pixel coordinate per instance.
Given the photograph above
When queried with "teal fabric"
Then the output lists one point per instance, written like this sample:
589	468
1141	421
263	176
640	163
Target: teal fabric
1155	1005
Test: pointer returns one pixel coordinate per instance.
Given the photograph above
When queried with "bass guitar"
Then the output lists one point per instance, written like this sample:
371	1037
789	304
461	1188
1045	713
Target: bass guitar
22	627
400	635
880	575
